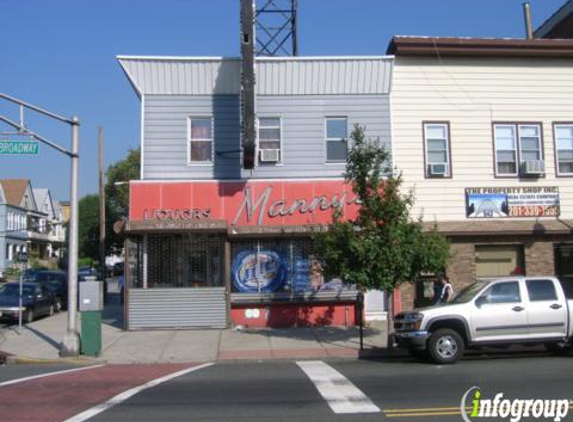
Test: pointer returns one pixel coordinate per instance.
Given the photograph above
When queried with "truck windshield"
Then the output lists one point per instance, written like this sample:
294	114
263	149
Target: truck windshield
469	292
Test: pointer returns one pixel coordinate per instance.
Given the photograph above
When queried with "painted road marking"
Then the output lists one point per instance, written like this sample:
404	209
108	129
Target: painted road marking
120	398
341	395
48	374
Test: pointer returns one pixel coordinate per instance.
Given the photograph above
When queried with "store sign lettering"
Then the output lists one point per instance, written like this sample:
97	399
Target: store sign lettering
185	214
260	207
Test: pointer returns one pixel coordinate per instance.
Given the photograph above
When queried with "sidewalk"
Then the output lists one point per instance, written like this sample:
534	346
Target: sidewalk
40	341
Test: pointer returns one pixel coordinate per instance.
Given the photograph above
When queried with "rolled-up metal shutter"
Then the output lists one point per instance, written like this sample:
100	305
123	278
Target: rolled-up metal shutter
177	308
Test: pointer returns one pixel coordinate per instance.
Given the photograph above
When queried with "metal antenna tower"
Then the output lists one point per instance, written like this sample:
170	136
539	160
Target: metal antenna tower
275	24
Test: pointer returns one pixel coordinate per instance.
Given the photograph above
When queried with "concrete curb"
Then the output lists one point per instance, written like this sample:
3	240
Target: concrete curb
9	359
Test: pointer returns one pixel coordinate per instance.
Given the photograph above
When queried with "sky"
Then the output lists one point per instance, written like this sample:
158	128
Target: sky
61	55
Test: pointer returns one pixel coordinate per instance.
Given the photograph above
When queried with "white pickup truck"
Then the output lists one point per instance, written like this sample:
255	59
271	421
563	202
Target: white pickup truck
501	312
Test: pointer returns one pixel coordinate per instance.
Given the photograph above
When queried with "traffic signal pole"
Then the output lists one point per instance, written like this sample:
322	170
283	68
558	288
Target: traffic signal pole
70	345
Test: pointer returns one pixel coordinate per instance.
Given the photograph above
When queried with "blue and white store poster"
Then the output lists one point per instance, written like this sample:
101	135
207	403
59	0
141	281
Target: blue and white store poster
262	272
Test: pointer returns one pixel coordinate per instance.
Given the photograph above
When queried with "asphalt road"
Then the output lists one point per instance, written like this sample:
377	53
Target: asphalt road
401	389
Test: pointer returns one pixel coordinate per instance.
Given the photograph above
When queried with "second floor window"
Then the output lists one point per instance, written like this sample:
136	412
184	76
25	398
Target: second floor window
437	147
516	144
200	140
564	149
270	140
336	139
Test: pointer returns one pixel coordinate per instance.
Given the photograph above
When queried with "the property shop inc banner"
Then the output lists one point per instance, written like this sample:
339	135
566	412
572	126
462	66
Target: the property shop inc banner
522	201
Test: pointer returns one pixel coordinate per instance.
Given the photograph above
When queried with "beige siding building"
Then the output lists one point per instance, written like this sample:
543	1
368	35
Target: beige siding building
483	133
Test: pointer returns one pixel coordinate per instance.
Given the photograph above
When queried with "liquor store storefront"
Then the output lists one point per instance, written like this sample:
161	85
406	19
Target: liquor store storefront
222	253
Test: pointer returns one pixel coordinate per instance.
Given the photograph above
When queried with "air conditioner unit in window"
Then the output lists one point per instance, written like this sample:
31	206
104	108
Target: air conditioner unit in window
270	155
533	167
438	169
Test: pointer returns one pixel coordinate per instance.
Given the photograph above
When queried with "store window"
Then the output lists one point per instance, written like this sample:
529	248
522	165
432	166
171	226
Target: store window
278	266
564	149
183	261
270	140
200	140
499	260
516	144
336	139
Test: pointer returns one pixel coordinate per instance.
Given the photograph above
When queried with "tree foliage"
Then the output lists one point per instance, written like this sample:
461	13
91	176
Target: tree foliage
383	246
117	193
118	174
116	207
88	227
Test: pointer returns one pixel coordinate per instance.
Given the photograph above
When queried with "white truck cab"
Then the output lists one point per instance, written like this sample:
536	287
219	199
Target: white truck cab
505	311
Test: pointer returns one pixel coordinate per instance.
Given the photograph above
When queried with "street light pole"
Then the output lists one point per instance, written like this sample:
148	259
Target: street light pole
71	342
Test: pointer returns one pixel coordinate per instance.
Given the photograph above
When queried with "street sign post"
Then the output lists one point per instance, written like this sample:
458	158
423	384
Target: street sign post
12	147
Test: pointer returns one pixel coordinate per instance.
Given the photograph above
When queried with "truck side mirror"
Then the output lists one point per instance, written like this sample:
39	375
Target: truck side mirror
480	301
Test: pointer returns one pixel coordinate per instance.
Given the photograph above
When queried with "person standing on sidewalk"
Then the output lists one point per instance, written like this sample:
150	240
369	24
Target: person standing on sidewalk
443	290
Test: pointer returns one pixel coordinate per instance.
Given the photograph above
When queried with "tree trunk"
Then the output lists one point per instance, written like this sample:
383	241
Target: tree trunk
390	319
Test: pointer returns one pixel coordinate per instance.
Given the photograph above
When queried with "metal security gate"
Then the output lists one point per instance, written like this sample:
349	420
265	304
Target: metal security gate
177	281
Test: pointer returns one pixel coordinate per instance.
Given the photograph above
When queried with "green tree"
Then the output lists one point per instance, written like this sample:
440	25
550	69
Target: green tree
88	227
118	174
117	193
383	246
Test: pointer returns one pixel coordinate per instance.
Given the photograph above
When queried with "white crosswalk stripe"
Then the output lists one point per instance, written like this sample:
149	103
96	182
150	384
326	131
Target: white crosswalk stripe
341	395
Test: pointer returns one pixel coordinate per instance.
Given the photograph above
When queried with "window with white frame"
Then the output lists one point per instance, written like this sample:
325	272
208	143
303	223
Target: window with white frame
200	140
516	144
270	140
336	139
564	149
437	147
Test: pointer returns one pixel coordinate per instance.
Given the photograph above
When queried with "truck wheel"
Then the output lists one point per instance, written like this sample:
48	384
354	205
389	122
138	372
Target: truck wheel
446	346
560	349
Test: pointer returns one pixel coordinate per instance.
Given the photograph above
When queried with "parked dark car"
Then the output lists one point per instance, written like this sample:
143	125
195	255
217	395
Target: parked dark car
118	268
84	272
36	301
57	283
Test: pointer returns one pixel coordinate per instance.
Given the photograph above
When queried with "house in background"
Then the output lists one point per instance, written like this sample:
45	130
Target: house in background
559	25
483	132
49	247
31	226
16	203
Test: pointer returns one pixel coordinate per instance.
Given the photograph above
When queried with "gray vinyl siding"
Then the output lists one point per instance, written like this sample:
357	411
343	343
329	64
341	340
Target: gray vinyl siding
180	308
303	133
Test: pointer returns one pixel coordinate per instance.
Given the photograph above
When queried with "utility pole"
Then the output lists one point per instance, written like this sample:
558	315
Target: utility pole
101	212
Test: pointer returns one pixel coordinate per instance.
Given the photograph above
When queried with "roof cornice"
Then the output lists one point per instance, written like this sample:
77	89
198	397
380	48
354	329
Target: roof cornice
480	47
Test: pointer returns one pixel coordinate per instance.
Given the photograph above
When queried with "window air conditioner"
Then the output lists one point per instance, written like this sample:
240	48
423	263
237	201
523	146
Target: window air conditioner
533	167
270	155
438	169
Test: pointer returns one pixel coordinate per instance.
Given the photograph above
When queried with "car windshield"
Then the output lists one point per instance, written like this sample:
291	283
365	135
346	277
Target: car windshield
13	290
49	279
469	292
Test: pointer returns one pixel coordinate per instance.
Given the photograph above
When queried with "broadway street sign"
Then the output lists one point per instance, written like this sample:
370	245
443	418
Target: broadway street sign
18	147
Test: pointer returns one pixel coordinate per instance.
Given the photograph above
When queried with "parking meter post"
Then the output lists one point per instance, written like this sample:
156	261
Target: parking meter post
360	311
20	304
